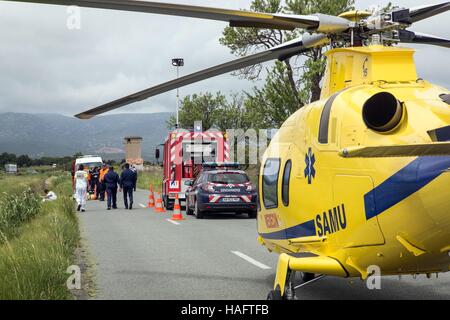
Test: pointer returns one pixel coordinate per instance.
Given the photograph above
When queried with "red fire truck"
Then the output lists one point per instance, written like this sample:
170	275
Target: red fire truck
183	155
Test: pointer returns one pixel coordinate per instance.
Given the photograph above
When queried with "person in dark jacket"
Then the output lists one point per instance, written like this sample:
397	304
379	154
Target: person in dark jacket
128	180
112	181
94	181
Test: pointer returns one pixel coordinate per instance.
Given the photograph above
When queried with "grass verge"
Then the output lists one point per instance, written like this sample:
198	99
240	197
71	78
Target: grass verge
152	176
34	259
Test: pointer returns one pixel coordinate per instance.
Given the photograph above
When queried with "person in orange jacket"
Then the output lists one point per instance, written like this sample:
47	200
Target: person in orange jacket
101	181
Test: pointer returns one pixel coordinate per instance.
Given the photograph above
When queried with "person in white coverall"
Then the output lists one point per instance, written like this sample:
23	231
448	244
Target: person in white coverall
49	196
81	184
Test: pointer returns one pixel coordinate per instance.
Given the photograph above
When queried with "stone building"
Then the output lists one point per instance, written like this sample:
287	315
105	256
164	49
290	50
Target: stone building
133	152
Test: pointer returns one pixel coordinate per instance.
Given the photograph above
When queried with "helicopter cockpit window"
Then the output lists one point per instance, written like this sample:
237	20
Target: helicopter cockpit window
270	183
286	181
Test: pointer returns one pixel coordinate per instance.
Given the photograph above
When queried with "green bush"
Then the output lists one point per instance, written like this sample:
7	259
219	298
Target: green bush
39	240
153	176
16	209
33	266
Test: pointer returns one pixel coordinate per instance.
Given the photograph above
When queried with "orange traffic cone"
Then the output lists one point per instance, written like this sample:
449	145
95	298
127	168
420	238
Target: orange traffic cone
177	215
151	198
159	206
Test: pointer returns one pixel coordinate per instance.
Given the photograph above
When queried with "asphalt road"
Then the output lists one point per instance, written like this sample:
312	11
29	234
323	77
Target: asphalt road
139	254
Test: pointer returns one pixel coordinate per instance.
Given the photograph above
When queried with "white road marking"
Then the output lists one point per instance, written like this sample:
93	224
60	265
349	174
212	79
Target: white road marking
251	260
174	222
143	206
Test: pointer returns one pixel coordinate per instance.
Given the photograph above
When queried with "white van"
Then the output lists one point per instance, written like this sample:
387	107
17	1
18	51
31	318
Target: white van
11	168
89	162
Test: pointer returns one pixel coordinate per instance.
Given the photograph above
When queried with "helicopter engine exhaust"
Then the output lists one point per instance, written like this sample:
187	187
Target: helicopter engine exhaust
382	112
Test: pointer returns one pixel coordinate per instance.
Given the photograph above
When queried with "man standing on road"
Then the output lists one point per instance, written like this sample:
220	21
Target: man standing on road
111	181
95	174
101	184
81	184
128	180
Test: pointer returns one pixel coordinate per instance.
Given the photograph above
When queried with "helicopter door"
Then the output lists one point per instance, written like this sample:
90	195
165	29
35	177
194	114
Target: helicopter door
348	195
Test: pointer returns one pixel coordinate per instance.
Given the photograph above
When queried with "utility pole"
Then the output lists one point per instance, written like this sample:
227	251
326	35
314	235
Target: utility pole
178	62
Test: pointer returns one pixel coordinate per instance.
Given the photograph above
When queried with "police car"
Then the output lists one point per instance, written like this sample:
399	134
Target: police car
221	188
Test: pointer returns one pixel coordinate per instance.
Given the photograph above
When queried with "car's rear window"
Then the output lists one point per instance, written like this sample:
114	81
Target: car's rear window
228	178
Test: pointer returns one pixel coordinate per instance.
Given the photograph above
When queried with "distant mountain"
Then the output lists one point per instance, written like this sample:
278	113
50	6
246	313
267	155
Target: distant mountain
40	135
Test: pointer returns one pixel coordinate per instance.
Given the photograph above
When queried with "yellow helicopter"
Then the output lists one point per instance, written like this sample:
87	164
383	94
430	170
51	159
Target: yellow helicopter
360	178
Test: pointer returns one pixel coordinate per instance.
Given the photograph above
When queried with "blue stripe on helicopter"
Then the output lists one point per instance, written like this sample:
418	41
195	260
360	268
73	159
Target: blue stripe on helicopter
443	134
404	183
307	229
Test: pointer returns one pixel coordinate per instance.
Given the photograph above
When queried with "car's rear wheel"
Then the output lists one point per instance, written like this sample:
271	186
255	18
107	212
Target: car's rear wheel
198	213
252	214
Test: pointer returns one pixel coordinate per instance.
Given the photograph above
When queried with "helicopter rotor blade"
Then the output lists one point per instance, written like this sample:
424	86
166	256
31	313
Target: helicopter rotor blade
281	52
420	13
422	38
236	18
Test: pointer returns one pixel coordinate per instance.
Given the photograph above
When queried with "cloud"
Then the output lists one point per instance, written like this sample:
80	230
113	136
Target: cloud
44	67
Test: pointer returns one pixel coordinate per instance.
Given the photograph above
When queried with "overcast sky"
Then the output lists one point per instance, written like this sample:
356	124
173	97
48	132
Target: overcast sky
44	67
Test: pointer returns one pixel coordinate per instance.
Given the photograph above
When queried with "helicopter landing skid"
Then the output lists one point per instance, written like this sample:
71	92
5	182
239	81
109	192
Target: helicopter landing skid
290	288
288	265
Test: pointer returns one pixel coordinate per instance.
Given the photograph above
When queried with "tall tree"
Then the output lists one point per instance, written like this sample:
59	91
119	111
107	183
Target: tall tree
7	158
24	161
199	107
234	115
299	77
215	111
271	105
